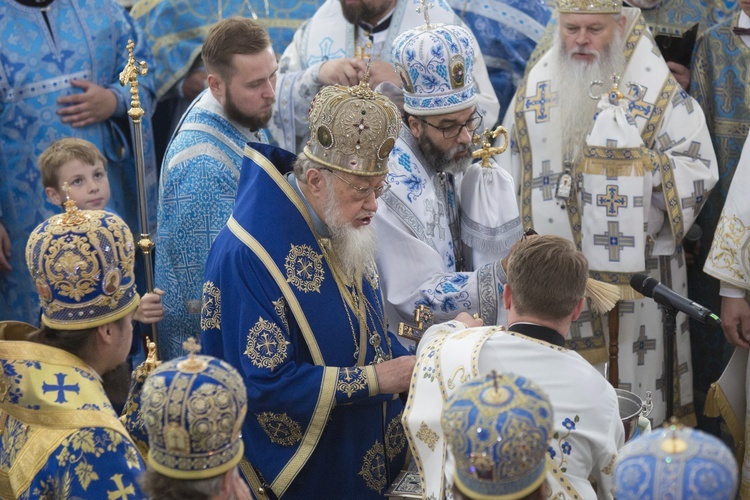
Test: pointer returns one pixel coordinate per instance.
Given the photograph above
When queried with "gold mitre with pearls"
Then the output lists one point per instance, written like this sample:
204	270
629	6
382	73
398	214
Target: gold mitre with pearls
353	129
589	6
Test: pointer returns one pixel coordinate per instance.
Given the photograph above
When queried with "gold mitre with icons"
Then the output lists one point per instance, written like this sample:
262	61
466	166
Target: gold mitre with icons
353	129
589	6
81	262
193	409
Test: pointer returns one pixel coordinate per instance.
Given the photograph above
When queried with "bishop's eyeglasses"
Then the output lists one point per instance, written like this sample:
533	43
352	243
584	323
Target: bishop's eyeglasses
453	131
362	192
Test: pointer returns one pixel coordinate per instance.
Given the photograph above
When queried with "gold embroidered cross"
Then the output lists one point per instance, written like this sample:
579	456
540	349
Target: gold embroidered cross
122	492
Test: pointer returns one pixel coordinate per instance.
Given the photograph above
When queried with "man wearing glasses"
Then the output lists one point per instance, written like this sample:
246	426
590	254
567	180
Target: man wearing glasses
433	251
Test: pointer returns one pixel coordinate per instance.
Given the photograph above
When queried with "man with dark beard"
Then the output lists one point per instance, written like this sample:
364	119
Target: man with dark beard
292	299
202	167
332	47
436	249
626	200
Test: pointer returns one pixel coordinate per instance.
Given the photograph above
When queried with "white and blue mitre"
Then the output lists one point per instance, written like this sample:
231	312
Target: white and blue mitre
676	462
81	262
193	408
435	63
498	431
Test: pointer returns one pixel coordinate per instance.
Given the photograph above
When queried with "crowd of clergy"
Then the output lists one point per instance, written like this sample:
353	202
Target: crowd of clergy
367	249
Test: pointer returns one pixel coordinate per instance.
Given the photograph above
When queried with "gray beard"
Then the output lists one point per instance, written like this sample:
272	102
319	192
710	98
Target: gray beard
441	161
578	109
354	248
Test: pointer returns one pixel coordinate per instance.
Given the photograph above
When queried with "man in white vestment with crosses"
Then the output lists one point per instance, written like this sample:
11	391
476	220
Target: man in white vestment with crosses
625	190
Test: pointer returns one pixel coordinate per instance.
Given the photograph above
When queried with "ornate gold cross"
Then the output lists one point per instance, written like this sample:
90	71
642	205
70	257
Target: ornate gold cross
487	151
423	319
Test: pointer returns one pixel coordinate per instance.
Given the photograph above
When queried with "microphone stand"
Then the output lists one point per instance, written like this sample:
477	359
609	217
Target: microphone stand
670	335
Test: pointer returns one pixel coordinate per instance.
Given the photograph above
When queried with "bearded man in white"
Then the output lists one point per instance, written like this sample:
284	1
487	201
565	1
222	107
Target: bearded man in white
626	199
445	224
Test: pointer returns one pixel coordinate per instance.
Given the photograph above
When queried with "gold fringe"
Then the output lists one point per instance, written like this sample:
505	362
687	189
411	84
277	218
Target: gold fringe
602	296
627	293
717	402
712	406
596	355
614	168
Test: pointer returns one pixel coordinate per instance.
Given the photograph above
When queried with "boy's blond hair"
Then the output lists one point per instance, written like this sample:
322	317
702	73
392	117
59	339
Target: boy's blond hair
61	152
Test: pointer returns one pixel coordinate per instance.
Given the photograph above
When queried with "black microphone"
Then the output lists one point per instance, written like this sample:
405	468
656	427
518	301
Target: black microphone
662	294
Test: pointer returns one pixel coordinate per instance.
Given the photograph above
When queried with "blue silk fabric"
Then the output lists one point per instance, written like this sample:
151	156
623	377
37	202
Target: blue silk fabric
273	309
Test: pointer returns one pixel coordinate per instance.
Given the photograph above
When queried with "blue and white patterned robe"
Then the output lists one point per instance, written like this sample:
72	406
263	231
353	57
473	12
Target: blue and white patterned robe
35	70
327	35
177	29
198	184
416	256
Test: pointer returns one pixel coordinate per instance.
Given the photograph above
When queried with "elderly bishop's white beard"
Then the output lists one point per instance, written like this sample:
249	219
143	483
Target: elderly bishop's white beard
578	109
354	247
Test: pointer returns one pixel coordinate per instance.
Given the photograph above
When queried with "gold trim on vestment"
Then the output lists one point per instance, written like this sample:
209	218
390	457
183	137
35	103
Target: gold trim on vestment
47	429
326	402
717	405
372	380
562	479
255	483
32	457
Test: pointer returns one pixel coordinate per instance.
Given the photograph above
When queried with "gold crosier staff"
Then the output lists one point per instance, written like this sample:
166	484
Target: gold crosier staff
129	75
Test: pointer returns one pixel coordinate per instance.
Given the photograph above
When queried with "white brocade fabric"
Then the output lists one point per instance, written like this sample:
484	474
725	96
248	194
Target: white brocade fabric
327	35
587	426
618	202
729	261
678	146
489	215
416	257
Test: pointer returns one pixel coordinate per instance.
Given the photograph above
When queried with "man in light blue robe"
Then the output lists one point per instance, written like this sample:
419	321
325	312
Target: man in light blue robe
202	167
61	51
177	29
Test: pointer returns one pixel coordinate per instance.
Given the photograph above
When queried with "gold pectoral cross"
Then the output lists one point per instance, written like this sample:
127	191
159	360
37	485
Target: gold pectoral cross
423	319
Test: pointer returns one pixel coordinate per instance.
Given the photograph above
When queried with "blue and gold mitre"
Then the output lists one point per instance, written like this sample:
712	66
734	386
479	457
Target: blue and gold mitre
81	262
353	129
497	430
435	63
589	6
193	408
676	462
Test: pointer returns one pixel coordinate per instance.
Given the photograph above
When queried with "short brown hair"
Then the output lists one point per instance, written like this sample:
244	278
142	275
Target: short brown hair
547	276
234	35
61	152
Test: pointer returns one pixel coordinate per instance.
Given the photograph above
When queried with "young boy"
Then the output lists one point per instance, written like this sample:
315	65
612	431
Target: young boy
79	163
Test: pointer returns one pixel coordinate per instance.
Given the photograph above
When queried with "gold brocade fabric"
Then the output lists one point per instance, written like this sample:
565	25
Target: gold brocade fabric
58	431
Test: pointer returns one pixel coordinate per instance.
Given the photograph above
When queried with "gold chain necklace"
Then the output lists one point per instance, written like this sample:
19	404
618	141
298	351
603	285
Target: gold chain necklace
352	290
